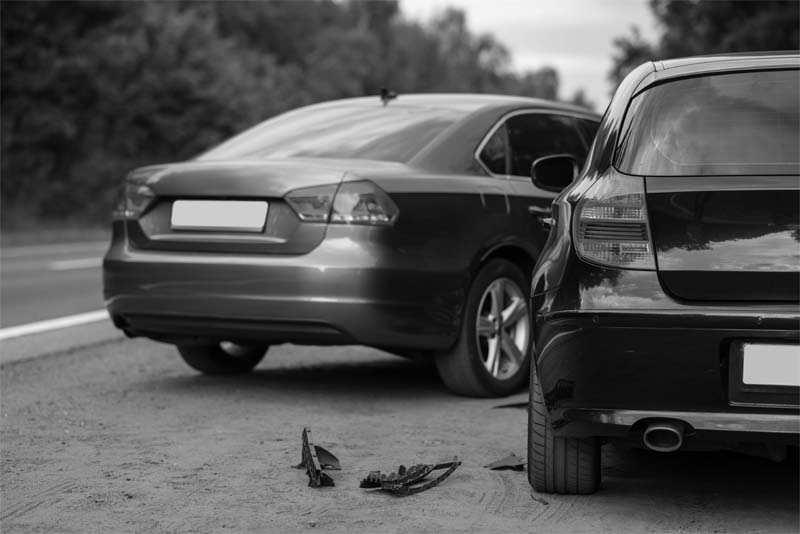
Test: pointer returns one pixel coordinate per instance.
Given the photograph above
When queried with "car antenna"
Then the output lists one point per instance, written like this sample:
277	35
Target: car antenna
387	95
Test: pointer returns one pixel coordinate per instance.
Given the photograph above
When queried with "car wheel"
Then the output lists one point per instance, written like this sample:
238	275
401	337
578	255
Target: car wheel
224	358
492	355
555	464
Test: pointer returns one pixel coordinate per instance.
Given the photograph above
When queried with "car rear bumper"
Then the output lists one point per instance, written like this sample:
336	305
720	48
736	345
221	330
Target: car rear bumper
344	291
608	367
704	426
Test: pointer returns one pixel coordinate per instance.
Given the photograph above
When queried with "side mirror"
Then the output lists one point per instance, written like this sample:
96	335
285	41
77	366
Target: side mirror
554	173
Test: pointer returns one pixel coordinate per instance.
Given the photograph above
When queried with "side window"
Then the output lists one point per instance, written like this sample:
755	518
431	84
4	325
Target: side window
534	135
495	152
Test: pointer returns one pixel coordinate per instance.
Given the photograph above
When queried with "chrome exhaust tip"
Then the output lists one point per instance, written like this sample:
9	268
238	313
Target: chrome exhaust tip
664	436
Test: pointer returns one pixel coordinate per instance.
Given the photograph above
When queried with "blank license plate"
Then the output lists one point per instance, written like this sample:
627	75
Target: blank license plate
773	365
231	215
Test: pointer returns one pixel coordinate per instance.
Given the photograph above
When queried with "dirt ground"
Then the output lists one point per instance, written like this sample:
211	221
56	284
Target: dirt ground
123	437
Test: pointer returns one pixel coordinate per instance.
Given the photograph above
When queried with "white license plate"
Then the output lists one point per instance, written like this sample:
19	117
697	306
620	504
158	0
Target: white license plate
219	215
772	365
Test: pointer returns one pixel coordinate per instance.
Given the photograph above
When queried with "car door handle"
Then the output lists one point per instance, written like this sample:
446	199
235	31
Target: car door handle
538	210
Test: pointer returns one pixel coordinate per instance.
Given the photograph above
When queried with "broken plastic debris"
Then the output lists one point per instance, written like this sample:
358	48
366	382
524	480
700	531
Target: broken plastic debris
408	481
326	459
512	462
314	460
539	500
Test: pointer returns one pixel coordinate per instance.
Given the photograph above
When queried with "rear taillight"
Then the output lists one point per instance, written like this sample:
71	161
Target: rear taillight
136	194
312	204
611	226
359	202
363	203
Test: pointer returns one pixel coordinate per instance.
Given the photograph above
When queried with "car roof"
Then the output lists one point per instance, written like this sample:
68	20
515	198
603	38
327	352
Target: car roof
732	60
466	102
664	70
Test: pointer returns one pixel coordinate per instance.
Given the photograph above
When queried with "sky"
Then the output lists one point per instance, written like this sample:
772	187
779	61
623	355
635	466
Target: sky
573	36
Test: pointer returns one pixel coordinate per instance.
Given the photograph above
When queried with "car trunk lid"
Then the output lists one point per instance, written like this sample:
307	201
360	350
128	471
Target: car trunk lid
223	188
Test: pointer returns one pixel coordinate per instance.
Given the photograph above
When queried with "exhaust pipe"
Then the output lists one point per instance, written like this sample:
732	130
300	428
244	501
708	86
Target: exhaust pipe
664	436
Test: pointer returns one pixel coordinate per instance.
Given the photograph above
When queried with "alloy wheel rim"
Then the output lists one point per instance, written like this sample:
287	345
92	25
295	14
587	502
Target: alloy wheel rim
502	328
235	350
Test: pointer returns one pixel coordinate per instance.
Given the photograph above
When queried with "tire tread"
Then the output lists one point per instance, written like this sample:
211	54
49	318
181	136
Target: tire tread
457	367
556	464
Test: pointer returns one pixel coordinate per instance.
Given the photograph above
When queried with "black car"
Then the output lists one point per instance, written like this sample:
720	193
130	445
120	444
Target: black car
409	224
666	298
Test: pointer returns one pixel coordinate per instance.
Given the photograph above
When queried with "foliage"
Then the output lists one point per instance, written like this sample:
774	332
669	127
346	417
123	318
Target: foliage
697	27
92	89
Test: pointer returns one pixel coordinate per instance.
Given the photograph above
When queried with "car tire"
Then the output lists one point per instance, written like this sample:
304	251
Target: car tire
555	464
222	358
465	369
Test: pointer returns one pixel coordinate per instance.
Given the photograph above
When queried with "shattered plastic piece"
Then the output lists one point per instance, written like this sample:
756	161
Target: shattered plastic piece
512	462
408	481
539	500
326	459
314	460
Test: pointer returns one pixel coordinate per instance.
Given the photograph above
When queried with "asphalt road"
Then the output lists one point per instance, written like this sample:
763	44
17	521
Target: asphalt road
103	434
121	436
45	282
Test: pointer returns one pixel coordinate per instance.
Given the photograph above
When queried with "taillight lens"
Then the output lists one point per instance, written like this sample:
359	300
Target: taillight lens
137	195
363	203
359	202
312	204
611	226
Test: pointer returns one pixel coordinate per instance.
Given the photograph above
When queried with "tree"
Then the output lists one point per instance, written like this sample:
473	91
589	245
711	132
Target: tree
630	52
696	27
93	89
87	97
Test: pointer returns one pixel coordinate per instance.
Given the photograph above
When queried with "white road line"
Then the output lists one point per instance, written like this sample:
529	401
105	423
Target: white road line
52	324
56	248
68	265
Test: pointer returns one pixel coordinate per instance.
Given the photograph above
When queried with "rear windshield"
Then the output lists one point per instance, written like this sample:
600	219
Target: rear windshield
390	133
742	123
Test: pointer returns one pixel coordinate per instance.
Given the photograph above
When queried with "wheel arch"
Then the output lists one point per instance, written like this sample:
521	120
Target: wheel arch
516	253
